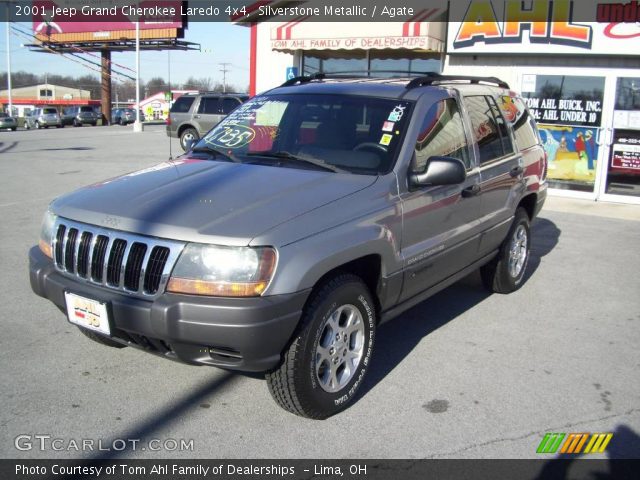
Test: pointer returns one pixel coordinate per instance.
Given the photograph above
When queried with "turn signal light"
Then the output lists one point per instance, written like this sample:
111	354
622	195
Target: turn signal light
216	289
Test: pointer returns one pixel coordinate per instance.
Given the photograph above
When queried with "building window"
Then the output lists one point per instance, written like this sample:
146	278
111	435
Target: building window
401	61
315	61
46	93
379	63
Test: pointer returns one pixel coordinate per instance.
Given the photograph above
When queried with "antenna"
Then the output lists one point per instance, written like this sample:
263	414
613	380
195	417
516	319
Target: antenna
170	98
224	71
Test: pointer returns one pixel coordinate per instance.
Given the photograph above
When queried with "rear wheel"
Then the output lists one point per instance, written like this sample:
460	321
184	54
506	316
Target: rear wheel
325	364
506	272
101	339
37	125
189	134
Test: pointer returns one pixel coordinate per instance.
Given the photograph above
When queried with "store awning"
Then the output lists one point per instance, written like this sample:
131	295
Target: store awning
414	34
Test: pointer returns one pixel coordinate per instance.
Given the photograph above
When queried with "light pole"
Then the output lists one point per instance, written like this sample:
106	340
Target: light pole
9	65
137	126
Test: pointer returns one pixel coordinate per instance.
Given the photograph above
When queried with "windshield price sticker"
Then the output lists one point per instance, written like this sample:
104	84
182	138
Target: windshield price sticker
232	136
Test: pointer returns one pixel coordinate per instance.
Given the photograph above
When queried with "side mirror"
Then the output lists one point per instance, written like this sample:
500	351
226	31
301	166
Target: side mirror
190	144
440	171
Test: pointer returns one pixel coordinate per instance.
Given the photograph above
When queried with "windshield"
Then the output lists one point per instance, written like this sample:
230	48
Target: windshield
351	133
49	111
86	109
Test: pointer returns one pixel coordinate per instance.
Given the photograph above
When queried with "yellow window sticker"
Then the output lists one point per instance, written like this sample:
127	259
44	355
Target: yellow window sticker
386	139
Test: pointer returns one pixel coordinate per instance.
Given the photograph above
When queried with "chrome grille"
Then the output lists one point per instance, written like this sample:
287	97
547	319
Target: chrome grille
134	264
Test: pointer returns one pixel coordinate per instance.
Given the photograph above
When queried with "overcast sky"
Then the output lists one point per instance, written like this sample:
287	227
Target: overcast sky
221	42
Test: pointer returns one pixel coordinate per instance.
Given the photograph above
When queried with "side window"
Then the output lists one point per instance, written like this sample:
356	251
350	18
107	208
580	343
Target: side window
229	104
523	124
209	105
442	134
507	144
182	104
489	128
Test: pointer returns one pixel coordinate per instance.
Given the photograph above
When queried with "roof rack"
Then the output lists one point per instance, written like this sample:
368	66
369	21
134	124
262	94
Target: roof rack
432	78
348	74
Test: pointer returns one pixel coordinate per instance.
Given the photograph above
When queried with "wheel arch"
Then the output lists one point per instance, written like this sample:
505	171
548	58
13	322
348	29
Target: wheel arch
529	204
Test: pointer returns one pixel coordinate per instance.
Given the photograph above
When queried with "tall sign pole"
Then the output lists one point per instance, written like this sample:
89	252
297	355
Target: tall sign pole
137	126
9	65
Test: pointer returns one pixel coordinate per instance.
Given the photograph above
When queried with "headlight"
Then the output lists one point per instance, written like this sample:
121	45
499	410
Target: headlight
223	271
47	233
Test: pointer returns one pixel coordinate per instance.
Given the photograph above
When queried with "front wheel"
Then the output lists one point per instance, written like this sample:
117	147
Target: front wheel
329	355
505	274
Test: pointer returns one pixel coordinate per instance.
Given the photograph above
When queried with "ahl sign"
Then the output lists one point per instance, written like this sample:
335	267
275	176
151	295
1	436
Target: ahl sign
545	27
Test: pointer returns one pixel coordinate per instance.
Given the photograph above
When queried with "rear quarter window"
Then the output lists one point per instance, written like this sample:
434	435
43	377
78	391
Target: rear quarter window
182	105
523	124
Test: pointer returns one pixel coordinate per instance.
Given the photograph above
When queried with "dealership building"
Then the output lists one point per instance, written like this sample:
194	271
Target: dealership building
581	80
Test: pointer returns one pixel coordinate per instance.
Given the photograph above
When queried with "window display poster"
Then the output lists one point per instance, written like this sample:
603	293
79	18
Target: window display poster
565	100
625	153
571	151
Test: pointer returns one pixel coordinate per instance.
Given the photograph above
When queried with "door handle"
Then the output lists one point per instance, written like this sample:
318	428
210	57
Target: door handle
196	116
471	191
516	171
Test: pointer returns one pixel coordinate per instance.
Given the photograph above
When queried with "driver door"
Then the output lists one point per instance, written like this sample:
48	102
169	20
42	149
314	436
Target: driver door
440	228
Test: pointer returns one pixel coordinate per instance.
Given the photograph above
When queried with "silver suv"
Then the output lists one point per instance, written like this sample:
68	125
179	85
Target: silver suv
43	118
193	115
309	216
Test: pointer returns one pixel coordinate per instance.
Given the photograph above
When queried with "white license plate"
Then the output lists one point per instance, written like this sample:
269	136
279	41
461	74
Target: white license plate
87	313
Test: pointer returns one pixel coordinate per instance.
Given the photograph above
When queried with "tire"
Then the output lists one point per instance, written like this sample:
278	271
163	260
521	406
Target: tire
59	126
14	129
505	273
76	124
186	135
37	125
26	125
101	339
304	383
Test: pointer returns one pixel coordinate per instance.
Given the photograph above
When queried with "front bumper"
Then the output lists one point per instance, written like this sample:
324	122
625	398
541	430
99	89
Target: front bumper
245	334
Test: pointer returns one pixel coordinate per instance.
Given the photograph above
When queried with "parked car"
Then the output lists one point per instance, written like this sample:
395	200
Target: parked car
8	122
123	116
78	116
43	118
305	219
193	115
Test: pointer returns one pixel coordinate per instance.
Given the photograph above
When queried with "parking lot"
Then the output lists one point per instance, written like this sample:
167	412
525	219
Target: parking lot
463	375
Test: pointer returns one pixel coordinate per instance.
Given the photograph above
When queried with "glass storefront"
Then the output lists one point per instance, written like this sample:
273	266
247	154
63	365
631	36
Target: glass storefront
381	63
623	169
568	110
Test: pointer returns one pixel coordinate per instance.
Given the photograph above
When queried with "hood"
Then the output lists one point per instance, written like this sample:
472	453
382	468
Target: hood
206	201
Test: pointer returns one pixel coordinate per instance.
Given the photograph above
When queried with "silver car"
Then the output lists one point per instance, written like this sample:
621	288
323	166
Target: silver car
307	217
8	122
43	118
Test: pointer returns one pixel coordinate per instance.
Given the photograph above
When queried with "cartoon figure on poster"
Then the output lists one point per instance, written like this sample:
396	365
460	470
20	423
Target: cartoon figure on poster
571	152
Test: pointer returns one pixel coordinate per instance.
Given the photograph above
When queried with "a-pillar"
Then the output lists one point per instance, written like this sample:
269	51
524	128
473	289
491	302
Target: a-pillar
105	97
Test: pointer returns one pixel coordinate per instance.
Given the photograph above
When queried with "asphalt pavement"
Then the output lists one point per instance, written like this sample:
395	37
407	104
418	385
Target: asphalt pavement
465	374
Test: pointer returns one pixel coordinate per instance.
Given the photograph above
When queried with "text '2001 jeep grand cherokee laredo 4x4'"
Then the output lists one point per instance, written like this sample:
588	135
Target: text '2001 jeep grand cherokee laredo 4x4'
311	214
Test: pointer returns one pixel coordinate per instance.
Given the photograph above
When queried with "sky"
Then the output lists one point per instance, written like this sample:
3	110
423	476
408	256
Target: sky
221	43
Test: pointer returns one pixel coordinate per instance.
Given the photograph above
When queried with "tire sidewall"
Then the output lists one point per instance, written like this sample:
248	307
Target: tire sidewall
183	140
348	294
521	219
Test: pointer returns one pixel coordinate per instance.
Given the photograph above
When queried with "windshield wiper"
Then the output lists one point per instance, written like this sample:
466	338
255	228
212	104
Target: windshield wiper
284	155
214	152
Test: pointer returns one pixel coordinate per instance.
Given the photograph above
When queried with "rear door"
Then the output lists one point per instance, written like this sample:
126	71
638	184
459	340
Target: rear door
501	169
208	115
440	228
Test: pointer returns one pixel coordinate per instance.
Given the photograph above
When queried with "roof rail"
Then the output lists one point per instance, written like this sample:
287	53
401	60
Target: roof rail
434	78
